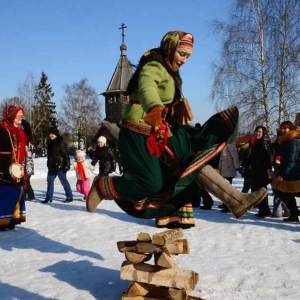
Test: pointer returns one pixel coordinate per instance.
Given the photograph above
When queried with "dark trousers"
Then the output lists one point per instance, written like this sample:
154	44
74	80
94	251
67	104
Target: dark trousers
263	206
247	185
206	197
290	202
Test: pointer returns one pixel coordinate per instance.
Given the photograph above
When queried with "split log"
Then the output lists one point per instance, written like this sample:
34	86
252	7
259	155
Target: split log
144	237
126	297
140	289
136	258
174	278
125	246
178	247
164	260
166	237
150	290
186	247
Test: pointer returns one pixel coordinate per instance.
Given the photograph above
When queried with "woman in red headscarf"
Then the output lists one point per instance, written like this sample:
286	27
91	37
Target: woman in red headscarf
14	135
163	165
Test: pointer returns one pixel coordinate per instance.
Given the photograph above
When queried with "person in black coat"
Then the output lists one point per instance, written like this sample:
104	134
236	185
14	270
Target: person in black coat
260	163
106	157
58	164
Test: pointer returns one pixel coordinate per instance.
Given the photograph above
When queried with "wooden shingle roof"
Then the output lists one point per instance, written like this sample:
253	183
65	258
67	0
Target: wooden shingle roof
122	74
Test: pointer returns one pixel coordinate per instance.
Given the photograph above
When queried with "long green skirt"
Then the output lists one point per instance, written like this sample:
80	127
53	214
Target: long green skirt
154	187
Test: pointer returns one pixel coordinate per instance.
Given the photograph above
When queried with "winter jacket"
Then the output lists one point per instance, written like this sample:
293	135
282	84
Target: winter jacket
260	162
86	167
229	161
6	155
289	163
58	156
156	87
106	157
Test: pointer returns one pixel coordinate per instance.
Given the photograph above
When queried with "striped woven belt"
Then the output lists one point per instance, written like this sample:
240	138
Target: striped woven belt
136	127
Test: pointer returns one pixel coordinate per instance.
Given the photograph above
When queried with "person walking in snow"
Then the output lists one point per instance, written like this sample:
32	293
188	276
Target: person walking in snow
58	164
82	168
105	156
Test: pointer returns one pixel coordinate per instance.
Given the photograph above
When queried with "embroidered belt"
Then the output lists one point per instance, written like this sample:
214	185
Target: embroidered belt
136	127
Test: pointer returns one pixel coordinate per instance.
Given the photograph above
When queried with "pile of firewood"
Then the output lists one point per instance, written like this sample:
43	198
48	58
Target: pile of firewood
164	279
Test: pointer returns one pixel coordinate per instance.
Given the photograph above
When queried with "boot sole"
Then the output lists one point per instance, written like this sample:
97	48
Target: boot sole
244	211
93	198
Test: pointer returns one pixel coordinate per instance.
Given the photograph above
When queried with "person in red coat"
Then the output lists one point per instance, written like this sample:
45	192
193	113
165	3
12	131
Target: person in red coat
14	135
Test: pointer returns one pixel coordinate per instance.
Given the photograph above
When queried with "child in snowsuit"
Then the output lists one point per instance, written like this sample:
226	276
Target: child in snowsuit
82	168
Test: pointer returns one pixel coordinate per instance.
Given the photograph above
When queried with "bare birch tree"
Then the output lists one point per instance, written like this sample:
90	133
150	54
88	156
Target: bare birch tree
26	92
80	113
11	101
259	66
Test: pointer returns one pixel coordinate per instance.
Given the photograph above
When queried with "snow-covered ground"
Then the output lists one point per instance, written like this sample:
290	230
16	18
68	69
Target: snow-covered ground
63	252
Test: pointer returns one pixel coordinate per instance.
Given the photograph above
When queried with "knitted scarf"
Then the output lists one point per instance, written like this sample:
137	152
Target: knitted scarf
81	172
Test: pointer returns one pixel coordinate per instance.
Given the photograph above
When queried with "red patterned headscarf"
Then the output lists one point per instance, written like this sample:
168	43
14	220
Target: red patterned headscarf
174	39
19	137
9	113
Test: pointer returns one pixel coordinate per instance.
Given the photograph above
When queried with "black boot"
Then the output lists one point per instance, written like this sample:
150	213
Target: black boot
263	209
46	201
292	219
205	207
68	200
225	209
30	193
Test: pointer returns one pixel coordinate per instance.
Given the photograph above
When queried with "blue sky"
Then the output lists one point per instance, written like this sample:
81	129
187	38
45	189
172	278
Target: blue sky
74	39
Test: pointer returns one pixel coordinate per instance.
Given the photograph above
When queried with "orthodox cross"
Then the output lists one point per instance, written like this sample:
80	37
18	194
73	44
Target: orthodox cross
123	35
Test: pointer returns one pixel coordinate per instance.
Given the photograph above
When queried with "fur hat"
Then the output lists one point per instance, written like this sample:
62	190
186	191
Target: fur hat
54	131
80	153
102	139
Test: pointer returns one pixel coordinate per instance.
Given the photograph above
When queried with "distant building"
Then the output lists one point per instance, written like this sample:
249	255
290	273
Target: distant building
115	99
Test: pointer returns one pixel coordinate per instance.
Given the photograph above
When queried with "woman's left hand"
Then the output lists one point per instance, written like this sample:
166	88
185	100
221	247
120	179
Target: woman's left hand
155	115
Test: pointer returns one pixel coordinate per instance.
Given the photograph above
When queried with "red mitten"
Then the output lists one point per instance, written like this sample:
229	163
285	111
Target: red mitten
155	115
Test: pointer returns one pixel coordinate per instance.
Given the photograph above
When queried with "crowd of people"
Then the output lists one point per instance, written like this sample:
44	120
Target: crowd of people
263	162
260	162
17	166
167	165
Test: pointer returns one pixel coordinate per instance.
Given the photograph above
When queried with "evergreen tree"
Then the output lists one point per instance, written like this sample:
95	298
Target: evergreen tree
44	111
